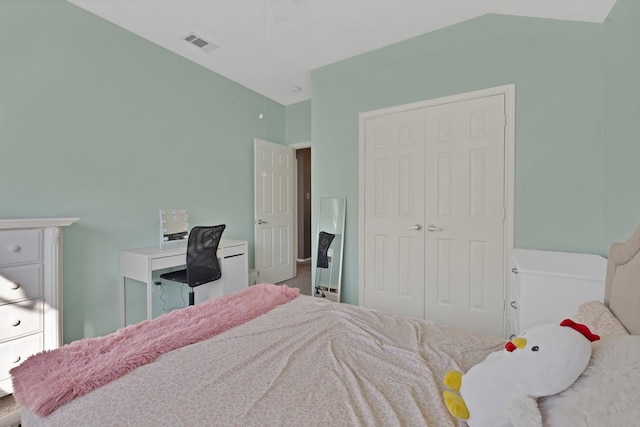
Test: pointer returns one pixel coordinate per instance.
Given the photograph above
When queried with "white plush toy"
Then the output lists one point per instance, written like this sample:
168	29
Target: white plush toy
503	389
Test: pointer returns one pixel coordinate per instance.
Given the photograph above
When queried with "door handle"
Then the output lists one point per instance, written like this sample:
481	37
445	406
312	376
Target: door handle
417	227
433	228
260	222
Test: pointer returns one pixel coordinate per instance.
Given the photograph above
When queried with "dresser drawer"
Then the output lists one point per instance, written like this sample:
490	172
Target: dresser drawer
20	246
20	319
230	251
20	283
15	352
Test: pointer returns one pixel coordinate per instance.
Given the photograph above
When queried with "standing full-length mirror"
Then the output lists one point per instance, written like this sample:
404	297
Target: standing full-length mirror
329	245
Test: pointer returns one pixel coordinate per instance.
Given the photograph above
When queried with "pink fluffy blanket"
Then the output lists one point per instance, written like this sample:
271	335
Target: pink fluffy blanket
48	380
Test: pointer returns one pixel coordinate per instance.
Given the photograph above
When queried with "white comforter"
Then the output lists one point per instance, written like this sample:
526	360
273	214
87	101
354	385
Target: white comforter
309	362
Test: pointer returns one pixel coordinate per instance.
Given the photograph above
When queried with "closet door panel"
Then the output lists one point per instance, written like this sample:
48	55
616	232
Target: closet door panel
394	214
465	205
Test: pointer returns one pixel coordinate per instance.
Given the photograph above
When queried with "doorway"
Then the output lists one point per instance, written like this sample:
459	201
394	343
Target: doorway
282	180
303	202
302	278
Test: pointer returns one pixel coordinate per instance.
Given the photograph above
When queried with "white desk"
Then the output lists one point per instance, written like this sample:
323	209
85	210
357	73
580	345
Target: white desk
139	264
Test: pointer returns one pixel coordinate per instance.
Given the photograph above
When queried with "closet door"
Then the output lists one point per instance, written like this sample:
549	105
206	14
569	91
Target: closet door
394	213
434	213
465	214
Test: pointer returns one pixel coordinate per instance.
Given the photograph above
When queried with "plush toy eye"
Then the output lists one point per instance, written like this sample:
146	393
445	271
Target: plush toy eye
535	348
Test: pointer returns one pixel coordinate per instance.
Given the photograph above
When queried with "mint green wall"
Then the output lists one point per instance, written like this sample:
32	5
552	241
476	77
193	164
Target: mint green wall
98	123
298	122
576	140
621	144
91	116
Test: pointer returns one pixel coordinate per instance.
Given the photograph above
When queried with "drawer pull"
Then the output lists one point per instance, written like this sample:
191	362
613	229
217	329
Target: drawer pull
15	359
15	322
514	305
14	286
14	248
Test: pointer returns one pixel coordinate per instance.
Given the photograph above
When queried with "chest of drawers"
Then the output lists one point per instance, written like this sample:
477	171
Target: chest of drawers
547	286
30	290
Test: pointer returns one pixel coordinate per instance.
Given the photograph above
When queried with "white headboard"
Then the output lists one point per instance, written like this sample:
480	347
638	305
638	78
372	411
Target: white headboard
622	292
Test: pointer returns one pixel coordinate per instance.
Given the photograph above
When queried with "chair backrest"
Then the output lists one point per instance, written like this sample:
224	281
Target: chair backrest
202	259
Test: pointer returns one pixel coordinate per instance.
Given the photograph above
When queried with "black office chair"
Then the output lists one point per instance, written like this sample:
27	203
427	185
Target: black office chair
202	259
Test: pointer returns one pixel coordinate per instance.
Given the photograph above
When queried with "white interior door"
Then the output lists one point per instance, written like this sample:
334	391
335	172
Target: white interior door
465	214
434	213
394	213
274	211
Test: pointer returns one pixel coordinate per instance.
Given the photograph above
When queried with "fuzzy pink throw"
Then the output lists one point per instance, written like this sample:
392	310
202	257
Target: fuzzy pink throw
48	380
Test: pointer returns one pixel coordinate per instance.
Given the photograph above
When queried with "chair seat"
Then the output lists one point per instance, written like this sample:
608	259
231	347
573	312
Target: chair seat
176	276
199	276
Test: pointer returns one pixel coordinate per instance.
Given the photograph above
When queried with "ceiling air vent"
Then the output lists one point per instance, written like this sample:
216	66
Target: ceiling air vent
200	42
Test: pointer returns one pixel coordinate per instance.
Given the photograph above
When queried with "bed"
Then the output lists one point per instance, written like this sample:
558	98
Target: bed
312	362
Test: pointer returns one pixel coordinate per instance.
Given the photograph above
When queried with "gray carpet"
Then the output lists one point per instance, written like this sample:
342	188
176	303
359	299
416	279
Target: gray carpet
9	411
302	280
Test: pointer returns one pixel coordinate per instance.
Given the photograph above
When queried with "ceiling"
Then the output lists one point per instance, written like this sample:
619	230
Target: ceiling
271	46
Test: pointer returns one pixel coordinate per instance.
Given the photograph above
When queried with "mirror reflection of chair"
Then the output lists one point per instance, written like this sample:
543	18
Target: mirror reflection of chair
324	259
202	259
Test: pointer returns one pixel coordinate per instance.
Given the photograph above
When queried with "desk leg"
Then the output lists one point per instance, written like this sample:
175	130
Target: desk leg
123	303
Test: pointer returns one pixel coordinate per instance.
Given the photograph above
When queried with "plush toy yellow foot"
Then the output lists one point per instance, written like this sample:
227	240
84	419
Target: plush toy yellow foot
454	402
453	380
456	406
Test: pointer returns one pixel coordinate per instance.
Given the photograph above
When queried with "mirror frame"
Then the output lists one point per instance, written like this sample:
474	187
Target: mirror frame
174	227
338	227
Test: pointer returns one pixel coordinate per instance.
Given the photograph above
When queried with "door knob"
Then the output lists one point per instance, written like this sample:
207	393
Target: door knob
415	227
433	228
260	222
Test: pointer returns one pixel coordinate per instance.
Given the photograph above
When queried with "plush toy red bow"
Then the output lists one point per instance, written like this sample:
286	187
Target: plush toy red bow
583	329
